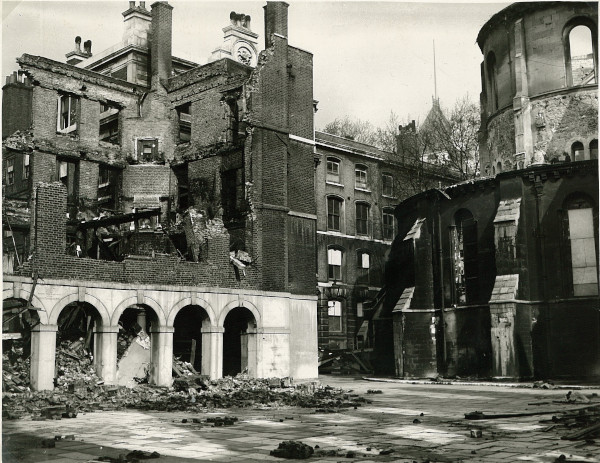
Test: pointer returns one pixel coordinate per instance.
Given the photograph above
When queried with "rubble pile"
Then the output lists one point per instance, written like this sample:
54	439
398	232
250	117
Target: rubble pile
15	370
74	367
293	450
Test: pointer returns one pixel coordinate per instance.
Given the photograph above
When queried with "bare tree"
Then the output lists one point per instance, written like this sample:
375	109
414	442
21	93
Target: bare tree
354	129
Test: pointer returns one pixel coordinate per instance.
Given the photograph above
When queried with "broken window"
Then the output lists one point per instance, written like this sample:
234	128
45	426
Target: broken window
364	264
109	123
68	114
10	171
577	151
334	208
26	167
583	248
233	193
362	219
185	122
388	224
147	149
67	172
334	262
334	313
333	170
464	240
361	176
107	187
580	55
387	185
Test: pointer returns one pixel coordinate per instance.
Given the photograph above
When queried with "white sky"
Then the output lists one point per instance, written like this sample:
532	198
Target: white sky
369	57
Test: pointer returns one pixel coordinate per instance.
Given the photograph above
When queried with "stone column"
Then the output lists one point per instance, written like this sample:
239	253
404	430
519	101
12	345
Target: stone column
252	352
43	357
105	353
503	340
521	103
212	351
161	357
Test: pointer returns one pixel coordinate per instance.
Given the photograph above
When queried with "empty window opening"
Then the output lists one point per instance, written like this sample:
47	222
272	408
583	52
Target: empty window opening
68	114
334	263
580	59
334	314
109	123
67	172
490	64
233	194
594	149
388	225
387	185
26	169
583	248
334	210
577	151
361	176
499	167
362	219
10	171
187	337
185	122
465	269
333	170
147	150
107	187
239	342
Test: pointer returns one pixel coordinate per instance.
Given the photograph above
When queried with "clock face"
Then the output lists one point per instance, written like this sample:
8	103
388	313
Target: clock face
244	56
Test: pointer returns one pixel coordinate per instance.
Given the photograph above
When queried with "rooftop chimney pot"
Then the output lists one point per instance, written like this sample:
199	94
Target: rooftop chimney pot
132	4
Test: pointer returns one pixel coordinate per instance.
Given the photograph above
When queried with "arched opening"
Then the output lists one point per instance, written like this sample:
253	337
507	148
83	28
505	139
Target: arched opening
577	151
465	259
76	342
239	342
17	322
498	167
134	345
490	64
580	53
187	337
594	149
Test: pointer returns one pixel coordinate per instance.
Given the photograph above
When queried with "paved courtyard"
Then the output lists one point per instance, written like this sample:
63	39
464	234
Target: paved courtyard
416	422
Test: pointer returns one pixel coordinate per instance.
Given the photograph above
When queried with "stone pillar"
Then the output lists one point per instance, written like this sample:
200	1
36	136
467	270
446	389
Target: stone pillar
43	357
251	352
161	358
398	327
212	351
105	353
521	103
503	340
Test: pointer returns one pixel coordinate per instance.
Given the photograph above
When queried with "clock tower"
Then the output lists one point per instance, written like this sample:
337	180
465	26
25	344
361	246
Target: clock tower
239	41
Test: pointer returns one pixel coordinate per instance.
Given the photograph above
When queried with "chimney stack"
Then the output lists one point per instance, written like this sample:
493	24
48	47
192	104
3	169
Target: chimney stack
87	47
77	56
160	45
137	25
276	21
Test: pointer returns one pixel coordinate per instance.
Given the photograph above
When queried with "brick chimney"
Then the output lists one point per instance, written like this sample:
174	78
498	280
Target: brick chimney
137	20
276	20
77	56
160	42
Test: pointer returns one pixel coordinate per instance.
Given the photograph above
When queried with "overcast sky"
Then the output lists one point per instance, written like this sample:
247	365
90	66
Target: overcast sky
370	58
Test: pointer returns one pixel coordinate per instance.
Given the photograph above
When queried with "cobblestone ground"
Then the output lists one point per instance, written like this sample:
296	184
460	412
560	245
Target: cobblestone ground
441	434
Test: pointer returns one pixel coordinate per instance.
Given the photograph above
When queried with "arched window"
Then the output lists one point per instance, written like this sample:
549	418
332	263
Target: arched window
582	246
577	151
490	65
594	149
465	258
389	224
333	170
334	213
334	263
362	219
579	38
499	167
360	172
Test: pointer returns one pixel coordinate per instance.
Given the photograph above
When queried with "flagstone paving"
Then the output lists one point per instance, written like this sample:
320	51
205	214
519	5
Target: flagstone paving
419	422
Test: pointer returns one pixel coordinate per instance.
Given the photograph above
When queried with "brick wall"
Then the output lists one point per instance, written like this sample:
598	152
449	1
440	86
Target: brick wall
88	180
300	73
204	181
16	107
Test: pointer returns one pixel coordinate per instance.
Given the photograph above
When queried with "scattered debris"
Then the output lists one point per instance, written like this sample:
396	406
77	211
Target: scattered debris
374	391
345	361
482	416
386	452
294	450
476	433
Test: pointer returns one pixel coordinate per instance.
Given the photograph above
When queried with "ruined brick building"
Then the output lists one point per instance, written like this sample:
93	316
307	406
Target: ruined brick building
146	190
499	276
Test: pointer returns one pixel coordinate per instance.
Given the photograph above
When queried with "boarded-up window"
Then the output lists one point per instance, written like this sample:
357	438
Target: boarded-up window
583	252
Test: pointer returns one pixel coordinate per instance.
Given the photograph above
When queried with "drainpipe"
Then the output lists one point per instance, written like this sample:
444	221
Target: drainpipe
441	276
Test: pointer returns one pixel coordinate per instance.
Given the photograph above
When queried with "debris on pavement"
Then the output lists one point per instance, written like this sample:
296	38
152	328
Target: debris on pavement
293	450
578	424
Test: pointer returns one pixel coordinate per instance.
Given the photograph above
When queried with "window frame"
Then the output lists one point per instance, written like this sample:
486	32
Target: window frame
363	221
362	169
109	114
340	202
389	194
10	171
332	275
139	147
73	114
581	149
388	212
333	177
362	270
26	166
569	26
336	304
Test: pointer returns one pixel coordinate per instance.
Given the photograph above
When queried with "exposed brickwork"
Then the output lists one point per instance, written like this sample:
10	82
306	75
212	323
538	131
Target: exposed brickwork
88	180
16	107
